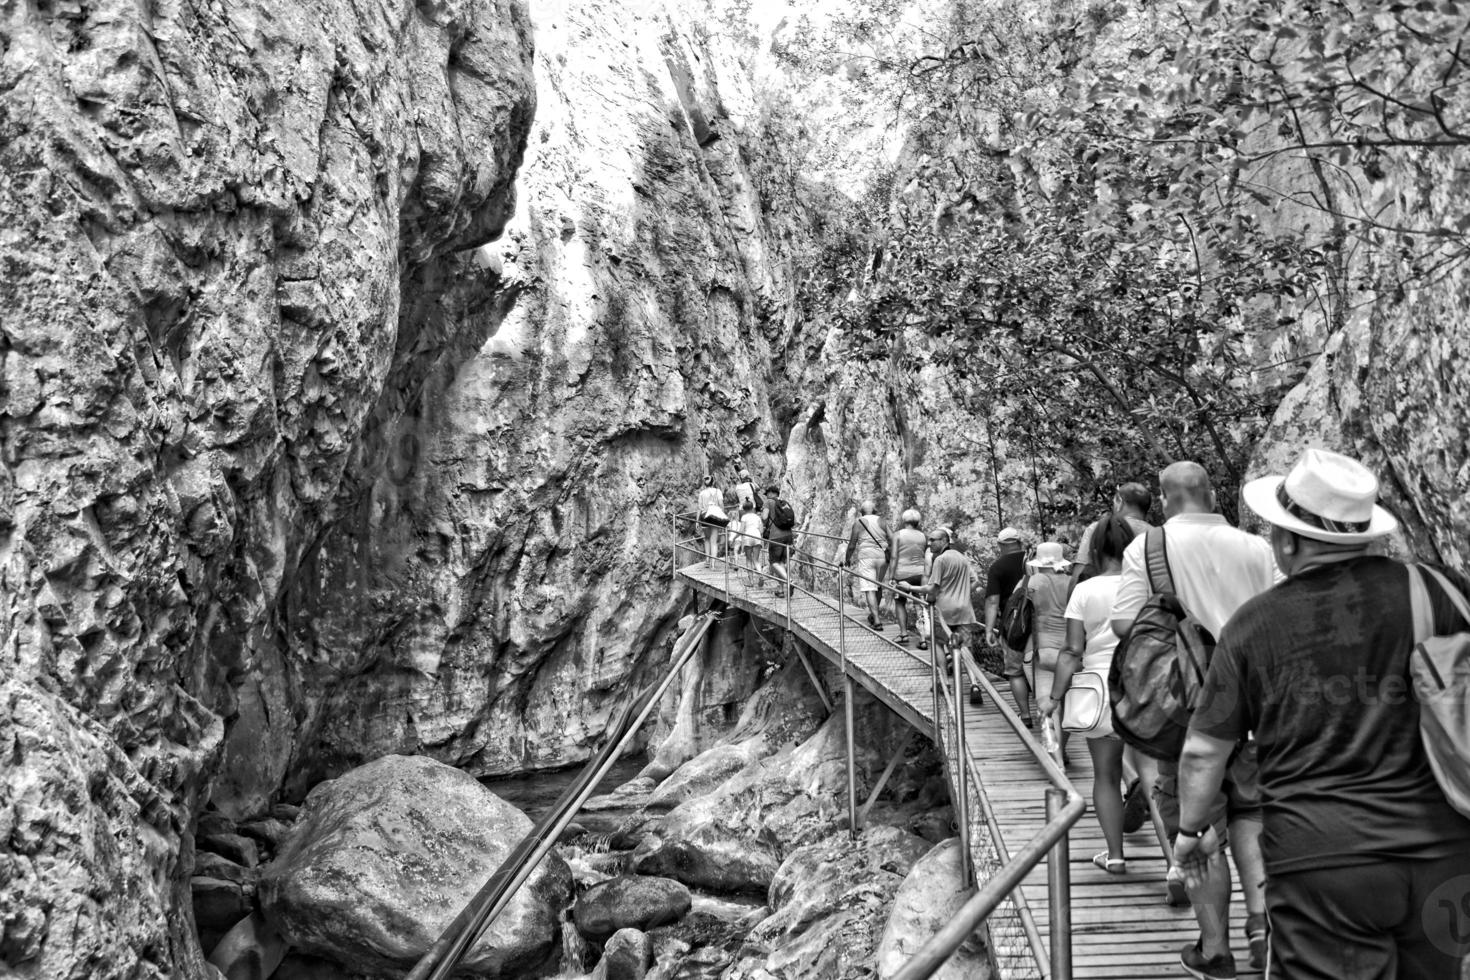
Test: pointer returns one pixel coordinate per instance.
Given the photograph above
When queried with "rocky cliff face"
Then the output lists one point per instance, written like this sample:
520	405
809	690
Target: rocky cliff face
226	231
499	582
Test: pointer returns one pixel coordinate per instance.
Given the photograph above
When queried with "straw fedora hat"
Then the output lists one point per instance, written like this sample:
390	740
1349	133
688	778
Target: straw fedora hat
1326	496
1049	554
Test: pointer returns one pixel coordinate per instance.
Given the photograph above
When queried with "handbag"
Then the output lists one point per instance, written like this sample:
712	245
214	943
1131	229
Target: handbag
1085	707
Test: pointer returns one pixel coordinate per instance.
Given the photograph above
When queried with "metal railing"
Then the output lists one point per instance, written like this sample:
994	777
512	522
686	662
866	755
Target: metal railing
465	930
985	852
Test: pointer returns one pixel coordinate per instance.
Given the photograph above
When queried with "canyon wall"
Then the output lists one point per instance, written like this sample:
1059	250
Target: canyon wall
498	585
224	227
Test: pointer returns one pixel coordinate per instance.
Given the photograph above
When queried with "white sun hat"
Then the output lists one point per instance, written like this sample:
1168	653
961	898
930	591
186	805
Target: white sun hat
1050	554
1326	496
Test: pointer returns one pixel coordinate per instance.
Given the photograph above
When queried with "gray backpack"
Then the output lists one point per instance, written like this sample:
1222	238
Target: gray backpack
1440	669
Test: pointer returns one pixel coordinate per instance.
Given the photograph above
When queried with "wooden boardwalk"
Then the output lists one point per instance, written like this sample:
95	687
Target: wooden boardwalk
1121	926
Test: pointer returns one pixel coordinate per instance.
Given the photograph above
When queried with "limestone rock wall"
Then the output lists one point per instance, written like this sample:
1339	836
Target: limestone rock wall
499	583
222	231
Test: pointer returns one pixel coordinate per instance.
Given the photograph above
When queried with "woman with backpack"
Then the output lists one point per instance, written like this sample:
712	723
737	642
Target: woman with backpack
1089	650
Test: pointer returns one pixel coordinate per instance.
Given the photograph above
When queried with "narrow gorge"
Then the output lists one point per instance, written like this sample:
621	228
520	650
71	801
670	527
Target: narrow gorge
359	358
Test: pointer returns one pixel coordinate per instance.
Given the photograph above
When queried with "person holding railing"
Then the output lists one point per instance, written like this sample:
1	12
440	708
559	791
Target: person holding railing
948	586
1048	586
906	566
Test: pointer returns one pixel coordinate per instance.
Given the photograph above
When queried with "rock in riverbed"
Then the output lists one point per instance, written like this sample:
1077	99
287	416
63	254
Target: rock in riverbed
636	901
385	856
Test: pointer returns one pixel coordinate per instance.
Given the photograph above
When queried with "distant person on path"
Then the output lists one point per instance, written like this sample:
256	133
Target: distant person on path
1047	584
1369	864
779	520
745	491
948	586
906	566
1216	568
752	538
867	552
712	518
1005	574
1090	645
1131	502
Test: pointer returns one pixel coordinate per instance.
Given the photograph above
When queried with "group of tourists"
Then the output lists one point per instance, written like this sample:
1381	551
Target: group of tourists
759	523
1301	701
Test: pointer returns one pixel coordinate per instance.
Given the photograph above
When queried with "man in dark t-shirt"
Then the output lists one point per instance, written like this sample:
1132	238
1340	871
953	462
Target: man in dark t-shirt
1363	852
1005	574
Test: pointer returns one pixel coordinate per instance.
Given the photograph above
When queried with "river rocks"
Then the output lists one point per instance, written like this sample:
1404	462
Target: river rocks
734	837
830	900
385	856
640	902
784	710
627	956
929	897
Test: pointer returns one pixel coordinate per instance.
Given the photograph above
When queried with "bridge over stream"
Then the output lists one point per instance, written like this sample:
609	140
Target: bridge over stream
1046	909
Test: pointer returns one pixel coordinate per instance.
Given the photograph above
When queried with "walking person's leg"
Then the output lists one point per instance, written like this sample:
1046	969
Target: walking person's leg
1107	799
1014	668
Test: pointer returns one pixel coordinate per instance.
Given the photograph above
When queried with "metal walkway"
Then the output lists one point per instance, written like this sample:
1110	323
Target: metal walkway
1014	807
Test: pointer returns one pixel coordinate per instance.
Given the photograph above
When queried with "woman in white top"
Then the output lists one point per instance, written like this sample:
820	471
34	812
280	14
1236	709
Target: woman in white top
752	532
711	512
1090	644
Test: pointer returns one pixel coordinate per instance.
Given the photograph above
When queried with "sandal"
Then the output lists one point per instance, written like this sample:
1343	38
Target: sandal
903	638
1113	866
923	644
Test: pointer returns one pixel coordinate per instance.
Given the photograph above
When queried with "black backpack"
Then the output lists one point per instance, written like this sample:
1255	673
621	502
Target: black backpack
1017	617
782	515
1159	668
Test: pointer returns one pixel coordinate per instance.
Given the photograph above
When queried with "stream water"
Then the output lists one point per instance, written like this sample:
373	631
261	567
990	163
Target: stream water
537	792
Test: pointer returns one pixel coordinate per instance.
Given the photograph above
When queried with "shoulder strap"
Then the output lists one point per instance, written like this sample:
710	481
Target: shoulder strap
1420	611
1455	597
1156	552
869	528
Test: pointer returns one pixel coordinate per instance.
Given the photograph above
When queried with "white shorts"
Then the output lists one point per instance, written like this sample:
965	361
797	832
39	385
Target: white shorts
869	569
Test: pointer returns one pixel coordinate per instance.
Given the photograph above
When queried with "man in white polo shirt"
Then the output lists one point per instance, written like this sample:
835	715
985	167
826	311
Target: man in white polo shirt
1215	568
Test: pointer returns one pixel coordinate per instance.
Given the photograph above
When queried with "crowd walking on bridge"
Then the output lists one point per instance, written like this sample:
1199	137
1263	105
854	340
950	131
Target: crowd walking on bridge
1301	701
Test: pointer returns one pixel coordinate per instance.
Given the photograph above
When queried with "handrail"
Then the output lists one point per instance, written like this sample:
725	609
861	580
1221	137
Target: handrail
475	917
1064	805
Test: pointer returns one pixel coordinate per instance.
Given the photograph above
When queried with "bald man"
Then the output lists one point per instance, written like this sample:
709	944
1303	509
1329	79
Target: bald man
1215	568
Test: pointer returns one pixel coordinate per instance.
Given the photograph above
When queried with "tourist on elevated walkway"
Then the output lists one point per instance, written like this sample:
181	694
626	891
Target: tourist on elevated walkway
752	540
1005	574
779	520
948	585
906	565
1369	864
712	518
867	553
1089	646
1047	585
1131	502
1215	568
745	491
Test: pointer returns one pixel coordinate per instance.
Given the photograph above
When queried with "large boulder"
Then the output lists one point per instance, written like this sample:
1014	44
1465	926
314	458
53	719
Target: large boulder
385	856
928	898
831	901
630	901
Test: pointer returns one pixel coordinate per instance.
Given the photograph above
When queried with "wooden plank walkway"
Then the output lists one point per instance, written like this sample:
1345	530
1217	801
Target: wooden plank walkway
1121	926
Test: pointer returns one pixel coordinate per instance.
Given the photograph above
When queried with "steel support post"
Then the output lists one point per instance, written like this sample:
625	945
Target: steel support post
842	617
962	762
847	711
1059	893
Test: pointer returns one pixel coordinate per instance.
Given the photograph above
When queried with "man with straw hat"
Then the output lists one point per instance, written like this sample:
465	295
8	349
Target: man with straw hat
1368	864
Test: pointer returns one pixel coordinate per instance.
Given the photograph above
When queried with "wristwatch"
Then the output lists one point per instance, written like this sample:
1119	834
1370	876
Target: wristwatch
1196	834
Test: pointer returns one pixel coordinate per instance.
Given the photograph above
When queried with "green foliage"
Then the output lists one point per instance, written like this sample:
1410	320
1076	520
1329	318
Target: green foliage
1121	232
